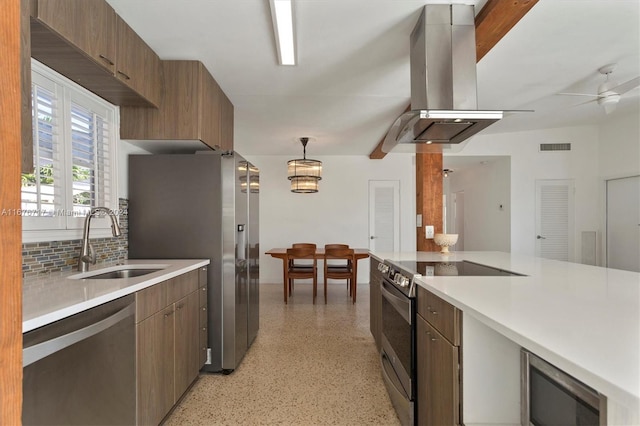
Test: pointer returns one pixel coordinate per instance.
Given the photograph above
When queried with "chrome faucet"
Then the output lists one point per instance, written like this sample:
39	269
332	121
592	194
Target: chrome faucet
87	253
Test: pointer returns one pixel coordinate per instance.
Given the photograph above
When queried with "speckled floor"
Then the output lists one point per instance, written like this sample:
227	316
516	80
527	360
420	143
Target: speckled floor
309	365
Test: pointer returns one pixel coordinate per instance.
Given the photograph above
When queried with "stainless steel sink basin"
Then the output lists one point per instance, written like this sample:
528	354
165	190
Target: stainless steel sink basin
122	273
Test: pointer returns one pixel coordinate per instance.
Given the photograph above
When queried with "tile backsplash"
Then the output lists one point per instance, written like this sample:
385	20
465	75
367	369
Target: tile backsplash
59	256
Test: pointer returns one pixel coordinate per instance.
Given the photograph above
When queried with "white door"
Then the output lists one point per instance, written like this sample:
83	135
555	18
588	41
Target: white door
623	223
384	215
554	219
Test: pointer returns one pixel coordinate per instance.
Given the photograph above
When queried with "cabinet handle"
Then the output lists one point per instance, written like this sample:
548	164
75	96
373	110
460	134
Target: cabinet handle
126	77
431	312
204	309
433	339
168	314
107	60
204	328
179	307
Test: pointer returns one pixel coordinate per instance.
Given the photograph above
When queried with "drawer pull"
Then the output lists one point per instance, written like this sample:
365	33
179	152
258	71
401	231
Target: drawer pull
126	77
107	60
179	307
168	314
433	339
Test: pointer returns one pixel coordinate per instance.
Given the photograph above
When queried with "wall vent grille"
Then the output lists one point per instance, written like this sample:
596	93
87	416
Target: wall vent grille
555	147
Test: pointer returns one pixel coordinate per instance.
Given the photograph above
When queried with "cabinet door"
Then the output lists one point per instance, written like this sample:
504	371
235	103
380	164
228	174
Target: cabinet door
187	342
155	374
209	111
438	385
136	64
226	123
88	24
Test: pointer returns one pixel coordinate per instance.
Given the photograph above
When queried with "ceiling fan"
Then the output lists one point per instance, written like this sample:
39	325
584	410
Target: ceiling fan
609	92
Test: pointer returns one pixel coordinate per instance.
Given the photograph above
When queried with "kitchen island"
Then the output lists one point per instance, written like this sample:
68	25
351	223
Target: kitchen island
583	319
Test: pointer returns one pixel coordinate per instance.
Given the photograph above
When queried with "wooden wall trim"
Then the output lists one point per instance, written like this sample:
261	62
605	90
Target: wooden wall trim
10	224
493	22
428	198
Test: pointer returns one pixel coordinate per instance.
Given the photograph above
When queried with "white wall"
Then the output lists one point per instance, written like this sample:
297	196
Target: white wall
487	204
528	165
338	213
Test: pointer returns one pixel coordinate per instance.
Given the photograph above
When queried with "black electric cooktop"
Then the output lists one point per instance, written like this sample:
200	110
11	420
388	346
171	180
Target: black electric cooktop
456	268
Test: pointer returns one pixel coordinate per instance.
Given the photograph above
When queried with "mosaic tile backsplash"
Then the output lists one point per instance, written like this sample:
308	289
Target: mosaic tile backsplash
59	256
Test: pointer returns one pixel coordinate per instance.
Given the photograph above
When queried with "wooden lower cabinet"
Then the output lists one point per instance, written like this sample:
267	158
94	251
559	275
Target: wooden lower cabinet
168	344
438	361
155	378
438	378
187	343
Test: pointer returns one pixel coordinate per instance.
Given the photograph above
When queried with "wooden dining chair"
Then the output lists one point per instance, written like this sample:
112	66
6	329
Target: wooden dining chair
293	271
339	264
335	246
304	263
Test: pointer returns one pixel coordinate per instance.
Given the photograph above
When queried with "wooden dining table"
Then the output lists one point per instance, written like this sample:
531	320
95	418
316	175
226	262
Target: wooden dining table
281	253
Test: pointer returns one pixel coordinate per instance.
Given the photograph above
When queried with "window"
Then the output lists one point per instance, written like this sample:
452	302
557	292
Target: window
74	141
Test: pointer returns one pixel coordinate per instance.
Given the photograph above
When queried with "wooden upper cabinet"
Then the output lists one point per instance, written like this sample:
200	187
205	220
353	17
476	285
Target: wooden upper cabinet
90	27
136	64
191	109
226	123
86	41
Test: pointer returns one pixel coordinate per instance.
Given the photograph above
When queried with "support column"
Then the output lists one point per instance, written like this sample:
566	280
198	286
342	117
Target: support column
428	197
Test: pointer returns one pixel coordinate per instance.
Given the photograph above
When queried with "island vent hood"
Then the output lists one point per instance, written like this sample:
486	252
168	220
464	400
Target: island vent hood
443	82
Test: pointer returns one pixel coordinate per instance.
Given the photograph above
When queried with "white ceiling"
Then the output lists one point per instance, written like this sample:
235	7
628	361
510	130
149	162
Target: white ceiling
352	77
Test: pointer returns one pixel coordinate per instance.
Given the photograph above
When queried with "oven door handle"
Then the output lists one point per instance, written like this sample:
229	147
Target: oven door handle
401	305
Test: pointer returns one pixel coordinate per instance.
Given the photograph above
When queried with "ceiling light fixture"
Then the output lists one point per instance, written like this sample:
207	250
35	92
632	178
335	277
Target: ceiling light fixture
282	16
304	173
445	172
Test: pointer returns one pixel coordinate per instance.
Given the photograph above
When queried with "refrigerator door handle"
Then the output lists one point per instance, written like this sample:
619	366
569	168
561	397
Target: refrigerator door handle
241	240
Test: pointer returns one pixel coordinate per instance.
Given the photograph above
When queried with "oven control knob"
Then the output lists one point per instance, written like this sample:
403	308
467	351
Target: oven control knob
383	268
404	282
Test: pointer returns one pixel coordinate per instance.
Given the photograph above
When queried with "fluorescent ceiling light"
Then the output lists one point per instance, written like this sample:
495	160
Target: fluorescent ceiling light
282	15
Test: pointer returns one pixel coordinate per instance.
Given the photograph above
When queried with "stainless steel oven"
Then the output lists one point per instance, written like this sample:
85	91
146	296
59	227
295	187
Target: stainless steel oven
552	397
397	354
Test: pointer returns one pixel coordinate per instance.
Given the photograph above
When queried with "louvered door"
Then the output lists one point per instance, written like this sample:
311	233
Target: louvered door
554	219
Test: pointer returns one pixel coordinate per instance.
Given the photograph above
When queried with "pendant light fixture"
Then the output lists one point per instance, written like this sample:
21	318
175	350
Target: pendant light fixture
304	173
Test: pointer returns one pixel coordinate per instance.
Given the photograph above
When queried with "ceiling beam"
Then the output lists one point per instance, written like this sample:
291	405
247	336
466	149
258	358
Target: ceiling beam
493	22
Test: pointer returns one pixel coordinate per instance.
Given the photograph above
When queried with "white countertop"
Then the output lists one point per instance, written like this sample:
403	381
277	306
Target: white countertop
583	319
52	297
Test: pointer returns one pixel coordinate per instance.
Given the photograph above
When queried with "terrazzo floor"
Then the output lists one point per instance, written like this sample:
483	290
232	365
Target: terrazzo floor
310	365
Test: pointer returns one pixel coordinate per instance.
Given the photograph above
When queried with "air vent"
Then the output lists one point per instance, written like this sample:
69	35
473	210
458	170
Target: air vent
555	147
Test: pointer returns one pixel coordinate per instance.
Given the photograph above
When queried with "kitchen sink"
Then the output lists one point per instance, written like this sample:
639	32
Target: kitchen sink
122	273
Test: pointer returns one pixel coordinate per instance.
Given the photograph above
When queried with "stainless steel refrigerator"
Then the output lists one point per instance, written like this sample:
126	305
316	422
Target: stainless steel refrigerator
204	206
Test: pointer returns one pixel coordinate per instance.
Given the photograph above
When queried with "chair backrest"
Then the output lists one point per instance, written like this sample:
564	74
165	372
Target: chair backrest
338	257
295	253
303	262
333	246
301	245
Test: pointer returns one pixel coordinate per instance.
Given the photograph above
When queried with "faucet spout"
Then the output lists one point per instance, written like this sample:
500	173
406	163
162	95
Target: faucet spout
87	253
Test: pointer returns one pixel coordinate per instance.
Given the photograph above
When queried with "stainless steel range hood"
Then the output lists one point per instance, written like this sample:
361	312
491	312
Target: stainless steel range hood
443	82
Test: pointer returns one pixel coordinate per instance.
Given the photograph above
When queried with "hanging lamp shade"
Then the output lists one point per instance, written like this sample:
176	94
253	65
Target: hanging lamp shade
304	173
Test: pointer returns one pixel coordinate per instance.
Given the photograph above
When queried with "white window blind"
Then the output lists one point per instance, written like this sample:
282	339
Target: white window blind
74	155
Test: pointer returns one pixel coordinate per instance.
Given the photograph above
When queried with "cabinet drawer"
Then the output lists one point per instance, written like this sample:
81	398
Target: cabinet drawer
178	287
151	300
442	315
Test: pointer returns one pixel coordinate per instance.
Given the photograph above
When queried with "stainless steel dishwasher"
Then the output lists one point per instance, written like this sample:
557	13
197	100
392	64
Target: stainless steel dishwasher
81	370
